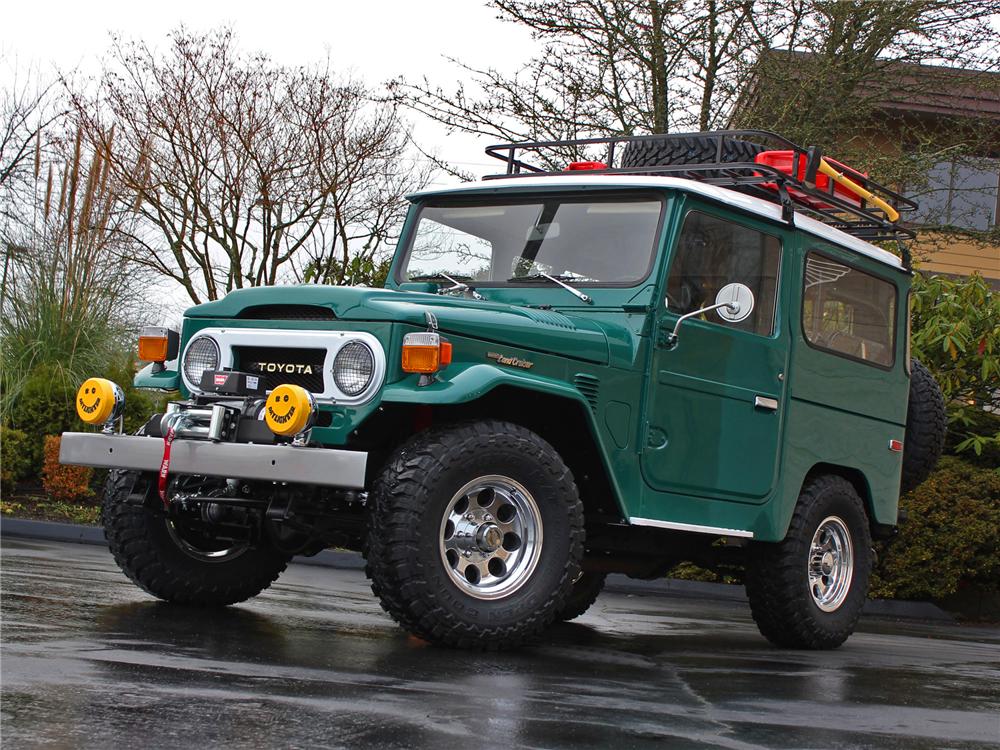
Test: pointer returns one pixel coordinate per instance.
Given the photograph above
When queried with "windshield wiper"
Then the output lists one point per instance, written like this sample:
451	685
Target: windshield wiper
555	280
457	286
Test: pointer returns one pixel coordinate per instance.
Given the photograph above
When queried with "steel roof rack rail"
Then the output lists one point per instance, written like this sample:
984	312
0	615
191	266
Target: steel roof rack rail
800	179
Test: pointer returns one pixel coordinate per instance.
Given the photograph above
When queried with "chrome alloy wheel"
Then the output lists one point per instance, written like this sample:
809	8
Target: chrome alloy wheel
491	537
202	548
831	564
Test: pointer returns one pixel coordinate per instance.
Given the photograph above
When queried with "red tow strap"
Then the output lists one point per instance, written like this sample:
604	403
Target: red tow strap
168	439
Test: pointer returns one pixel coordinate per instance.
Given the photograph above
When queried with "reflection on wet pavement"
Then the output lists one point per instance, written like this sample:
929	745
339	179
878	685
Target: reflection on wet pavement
88	660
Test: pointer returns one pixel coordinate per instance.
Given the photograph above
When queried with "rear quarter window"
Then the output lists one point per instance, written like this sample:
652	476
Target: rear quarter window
848	312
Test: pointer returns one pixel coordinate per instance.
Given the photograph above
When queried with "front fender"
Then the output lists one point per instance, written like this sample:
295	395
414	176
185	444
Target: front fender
167	379
473	381
470	382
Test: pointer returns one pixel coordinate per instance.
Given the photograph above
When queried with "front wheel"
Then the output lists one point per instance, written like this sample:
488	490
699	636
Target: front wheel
475	535
179	561
808	590
586	588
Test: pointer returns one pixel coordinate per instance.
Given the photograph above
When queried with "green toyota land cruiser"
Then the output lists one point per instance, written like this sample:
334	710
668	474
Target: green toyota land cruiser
688	351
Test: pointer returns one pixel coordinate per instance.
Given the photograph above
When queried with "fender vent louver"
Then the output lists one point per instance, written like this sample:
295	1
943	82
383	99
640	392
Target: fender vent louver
287	312
589	386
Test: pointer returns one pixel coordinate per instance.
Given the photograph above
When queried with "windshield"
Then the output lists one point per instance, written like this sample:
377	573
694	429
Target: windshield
583	241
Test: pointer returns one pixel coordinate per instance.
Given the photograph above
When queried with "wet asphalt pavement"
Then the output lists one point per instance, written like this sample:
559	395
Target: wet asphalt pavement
88	660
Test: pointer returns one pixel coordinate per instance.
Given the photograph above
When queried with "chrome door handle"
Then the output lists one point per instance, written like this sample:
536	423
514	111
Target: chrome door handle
763	402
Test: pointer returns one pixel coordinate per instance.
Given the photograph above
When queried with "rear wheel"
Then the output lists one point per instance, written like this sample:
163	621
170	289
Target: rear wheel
475	535
177	559
807	591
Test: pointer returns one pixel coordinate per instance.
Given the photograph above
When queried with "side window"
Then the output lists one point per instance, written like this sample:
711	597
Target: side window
714	252
848	312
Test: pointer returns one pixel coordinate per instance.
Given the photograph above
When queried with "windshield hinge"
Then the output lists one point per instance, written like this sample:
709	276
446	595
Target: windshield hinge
787	207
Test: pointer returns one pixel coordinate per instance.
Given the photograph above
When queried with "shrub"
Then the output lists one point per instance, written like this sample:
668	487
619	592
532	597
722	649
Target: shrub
987	454
15	459
66	483
45	406
950	539
955	334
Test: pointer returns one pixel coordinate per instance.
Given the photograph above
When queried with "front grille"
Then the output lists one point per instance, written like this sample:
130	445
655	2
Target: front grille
287	312
279	365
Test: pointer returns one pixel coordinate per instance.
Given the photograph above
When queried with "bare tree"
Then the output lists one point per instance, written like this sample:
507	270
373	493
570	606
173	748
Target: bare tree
27	108
246	172
612	67
638	66
851	56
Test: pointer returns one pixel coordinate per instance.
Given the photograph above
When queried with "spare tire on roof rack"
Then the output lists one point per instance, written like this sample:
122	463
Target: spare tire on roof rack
688	149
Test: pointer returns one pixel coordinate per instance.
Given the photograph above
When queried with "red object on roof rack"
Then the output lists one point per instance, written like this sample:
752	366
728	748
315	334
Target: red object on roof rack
784	161
585	166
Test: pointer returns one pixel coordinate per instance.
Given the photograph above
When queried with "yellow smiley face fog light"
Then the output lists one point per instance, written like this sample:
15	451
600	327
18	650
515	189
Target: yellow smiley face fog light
99	401
289	410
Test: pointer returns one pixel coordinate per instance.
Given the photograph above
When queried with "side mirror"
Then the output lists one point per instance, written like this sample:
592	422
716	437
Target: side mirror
742	296
734	302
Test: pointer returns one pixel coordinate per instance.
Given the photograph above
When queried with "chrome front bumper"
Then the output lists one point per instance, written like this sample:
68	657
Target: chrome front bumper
269	463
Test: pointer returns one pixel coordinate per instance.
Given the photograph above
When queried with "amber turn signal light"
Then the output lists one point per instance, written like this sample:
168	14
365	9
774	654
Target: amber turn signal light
425	353
158	344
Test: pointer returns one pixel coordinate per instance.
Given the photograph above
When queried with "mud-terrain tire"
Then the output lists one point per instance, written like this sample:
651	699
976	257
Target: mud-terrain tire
457	489
694	149
582	596
152	556
788	609
926	425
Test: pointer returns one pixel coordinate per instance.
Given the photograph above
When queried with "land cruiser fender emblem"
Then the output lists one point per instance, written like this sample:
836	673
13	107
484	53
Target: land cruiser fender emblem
503	359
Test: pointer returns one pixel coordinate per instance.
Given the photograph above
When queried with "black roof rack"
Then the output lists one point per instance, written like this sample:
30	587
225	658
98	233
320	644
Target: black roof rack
874	217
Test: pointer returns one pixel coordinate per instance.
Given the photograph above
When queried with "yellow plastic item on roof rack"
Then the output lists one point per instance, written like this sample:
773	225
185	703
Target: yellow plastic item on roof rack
824	167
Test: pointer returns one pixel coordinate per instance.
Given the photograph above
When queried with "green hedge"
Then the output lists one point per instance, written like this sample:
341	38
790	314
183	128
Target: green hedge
15	458
45	406
950	538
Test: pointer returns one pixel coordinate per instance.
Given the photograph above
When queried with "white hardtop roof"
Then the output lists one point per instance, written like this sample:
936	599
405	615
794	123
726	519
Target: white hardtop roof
730	197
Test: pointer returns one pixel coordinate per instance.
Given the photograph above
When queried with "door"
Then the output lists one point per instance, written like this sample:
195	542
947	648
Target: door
714	407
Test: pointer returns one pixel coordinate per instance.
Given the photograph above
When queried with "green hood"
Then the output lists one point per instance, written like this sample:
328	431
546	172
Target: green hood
529	328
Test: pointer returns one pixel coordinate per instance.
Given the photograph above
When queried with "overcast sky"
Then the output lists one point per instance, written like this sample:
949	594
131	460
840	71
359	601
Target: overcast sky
375	40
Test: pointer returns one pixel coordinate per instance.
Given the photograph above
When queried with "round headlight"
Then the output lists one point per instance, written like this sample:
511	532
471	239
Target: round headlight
353	368
202	354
